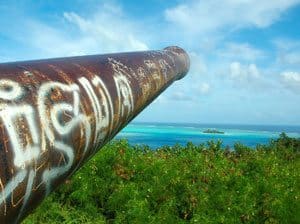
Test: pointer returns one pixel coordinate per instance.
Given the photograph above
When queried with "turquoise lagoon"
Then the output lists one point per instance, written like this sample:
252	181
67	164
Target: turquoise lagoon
156	135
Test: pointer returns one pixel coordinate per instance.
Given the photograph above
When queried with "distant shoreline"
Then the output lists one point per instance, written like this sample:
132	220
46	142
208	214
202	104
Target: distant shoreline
251	127
218	124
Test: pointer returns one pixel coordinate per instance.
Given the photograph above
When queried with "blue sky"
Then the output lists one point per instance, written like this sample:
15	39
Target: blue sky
245	55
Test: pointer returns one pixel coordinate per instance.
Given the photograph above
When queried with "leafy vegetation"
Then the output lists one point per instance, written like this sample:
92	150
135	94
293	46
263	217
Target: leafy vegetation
199	184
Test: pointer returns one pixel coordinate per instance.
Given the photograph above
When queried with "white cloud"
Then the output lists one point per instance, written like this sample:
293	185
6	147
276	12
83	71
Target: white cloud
286	44
198	16
52	42
288	52
243	72
180	96
249	78
241	51
198	65
291	80
107	30
292	58
204	88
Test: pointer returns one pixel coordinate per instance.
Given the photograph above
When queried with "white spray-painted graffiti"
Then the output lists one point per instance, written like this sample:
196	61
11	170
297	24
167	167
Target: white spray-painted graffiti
45	128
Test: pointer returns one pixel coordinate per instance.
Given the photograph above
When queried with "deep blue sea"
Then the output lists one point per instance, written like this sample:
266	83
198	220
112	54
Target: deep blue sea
159	134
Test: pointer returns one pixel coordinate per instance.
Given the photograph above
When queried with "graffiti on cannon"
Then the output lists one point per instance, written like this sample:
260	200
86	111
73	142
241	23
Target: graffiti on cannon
55	114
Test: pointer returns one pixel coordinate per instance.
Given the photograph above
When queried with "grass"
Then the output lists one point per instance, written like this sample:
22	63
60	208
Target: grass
191	184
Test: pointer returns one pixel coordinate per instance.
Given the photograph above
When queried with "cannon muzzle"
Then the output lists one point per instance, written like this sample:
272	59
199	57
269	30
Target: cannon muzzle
56	113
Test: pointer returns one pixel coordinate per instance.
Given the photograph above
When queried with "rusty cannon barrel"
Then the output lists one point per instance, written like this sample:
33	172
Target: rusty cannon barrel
55	114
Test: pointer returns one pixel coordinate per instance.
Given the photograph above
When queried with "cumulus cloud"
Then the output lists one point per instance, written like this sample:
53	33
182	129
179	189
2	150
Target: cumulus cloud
288	52
106	30
247	77
212	15
291	80
291	58
240	51
204	88
180	96
243	72
286	43
198	65
52	42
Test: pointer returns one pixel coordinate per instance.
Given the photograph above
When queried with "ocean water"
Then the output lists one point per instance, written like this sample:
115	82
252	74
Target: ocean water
159	134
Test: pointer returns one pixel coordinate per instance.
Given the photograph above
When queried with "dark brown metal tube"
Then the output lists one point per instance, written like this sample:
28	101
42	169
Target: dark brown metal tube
56	113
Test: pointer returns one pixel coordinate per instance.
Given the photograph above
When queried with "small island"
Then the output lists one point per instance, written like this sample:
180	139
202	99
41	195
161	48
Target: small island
213	131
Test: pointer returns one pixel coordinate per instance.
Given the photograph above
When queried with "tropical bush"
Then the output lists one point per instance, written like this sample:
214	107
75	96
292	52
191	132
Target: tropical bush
205	183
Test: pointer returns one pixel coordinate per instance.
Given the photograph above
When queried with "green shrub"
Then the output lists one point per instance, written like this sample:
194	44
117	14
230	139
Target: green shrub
199	184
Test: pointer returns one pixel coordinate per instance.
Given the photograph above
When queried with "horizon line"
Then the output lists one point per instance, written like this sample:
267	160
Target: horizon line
199	123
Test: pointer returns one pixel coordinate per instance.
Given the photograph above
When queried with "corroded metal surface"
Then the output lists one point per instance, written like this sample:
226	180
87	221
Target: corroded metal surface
55	114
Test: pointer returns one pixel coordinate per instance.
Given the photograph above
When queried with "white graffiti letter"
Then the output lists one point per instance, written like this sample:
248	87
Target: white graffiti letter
10	115
10	90
53	123
125	96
